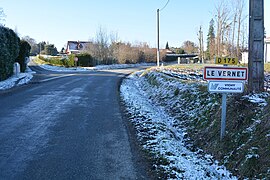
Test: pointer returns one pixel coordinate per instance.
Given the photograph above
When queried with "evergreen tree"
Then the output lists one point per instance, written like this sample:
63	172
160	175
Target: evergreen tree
167	46
211	41
49	49
24	52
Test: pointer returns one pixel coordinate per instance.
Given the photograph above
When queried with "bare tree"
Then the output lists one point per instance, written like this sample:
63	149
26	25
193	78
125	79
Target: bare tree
190	47
222	16
34	46
232	48
102	45
240	7
113	47
2	15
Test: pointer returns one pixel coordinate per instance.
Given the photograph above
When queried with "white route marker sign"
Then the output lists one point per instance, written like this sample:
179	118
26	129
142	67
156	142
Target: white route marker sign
225	73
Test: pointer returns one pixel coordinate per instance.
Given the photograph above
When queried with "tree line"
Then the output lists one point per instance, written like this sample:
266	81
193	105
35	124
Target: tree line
106	48
227	33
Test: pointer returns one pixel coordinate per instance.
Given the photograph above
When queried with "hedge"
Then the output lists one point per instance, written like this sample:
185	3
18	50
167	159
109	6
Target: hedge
84	60
23	53
9	51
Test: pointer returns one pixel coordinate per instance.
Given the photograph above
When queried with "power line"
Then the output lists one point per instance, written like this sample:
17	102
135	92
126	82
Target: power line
164	6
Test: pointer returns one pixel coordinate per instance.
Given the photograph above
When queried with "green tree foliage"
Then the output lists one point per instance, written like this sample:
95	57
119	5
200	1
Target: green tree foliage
85	60
167	46
23	54
210	51
41	47
50	50
63	50
9	51
179	51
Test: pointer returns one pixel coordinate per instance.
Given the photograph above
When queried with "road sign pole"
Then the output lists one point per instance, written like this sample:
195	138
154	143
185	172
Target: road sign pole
223	115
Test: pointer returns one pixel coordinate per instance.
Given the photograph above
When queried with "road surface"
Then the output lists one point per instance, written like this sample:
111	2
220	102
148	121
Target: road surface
66	126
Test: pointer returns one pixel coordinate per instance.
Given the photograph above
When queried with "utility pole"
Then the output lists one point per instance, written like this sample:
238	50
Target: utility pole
158	53
256	46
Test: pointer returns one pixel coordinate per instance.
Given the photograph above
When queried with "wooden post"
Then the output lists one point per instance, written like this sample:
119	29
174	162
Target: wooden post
256	46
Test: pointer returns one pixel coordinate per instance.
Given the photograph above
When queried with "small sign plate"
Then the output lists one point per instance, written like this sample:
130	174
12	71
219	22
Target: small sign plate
225	87
226	60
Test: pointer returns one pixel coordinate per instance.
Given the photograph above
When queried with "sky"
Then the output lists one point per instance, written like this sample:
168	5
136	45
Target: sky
59	21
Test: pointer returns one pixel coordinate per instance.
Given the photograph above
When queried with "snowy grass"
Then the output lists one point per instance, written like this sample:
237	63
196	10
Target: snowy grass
162	135
178	123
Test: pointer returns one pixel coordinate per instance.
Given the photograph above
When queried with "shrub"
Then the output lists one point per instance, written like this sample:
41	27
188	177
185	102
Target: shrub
23	53
9	51
69	62
86	60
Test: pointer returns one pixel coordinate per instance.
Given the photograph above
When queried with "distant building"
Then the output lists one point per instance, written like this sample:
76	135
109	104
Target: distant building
244	57
75	47
183	58
267	50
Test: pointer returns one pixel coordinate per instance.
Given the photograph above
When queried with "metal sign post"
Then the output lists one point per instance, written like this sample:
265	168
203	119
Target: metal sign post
223	115
225	80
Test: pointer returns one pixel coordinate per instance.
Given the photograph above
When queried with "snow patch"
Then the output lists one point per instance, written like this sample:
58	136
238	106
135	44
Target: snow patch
23	78
99	67
258	98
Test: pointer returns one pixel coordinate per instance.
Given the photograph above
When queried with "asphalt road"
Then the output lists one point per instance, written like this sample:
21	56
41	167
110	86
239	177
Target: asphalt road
66	126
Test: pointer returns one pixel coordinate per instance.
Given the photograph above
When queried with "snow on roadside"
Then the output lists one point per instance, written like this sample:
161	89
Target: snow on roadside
156	130
61	68
99	67
23	78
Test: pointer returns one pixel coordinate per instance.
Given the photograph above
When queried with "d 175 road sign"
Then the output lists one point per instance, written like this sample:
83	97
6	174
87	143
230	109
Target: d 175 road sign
225	87
225	73
226	60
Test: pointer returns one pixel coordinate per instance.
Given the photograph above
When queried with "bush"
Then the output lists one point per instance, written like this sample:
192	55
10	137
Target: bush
9	51
23	53
86	60
69	62
59	60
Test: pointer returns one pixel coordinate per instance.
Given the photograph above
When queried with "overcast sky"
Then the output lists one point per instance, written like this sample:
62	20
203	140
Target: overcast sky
58	21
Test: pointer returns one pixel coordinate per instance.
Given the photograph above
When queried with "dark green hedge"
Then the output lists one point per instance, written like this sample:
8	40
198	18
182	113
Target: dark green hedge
84	60
23	53
9	51
59	60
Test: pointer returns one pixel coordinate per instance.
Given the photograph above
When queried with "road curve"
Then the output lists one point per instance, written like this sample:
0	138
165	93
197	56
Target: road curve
66	128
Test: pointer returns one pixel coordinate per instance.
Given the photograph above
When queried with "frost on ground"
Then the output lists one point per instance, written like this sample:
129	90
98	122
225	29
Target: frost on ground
99	67
162	136
176	117
23	78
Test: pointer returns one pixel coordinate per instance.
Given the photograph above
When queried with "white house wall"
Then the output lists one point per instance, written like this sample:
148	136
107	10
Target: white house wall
266	53
267	50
